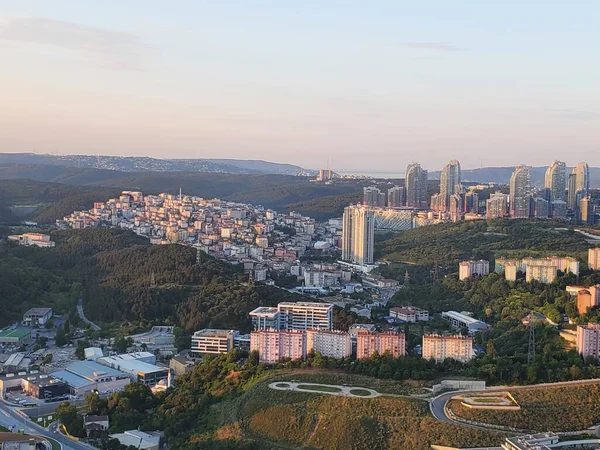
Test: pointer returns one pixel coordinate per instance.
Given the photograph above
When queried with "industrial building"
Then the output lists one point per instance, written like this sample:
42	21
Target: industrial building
37	316
159	338
410	314
139	367
84	377
461	320
15	337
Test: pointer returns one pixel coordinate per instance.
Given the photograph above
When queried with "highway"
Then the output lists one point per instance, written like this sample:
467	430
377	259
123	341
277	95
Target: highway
9	417
437	405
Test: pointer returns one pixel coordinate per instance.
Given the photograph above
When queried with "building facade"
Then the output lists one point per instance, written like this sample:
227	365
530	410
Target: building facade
594	258
469	269
358	235
544	272
396	197
415	183
588	340
497	205
330	343
213	342
556	180
520	193
410	314
442	347
272	345
450	183
390	342
305	316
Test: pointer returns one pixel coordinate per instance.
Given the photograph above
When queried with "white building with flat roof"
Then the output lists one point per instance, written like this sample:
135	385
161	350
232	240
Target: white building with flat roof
265	318
37	316
459	320
36	239
410	314
305	316
213	342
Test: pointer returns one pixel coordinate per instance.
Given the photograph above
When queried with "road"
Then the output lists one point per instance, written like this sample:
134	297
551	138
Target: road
10	417
437	405
82	315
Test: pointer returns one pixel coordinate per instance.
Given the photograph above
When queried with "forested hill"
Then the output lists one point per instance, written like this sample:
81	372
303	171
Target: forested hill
125	279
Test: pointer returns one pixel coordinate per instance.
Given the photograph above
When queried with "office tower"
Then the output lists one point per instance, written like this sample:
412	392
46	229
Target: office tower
415	184
390	342
588	340
330	343
594	258
273	345
573	194
582	172
471	202
396	197
371	196
305	316
555	181
449	183
541	208
358	235
520	187
586	210
496	205
442	347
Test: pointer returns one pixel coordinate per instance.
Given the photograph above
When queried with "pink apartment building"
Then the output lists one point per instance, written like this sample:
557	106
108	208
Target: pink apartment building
368	343
273	345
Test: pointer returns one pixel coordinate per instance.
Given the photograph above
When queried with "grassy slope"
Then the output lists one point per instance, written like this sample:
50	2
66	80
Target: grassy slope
555	409
284	419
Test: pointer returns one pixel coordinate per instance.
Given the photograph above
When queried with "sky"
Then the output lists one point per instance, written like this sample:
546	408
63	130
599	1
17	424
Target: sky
371	86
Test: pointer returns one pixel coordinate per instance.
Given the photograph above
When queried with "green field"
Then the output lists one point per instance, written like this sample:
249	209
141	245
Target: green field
360	392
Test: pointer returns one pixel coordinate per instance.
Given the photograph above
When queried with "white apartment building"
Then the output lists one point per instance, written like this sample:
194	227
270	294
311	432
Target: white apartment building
410	314
442	347
588	340
468	269
594	258
37	239
305	316
330	343
273	345
213	342
544	272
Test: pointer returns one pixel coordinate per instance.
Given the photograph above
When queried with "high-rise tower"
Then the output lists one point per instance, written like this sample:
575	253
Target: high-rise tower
358	235
555	180
520	198
582	171
449	183
415	184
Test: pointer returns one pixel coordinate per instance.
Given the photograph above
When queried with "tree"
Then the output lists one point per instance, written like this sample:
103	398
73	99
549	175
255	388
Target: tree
67	326
121	344
73	421
49	324
48	358
61	337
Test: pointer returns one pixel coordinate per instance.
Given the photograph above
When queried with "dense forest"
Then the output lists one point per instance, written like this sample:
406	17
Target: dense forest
114	271
449	243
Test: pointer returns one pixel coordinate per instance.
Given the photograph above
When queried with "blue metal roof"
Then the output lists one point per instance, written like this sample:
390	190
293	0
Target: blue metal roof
71	379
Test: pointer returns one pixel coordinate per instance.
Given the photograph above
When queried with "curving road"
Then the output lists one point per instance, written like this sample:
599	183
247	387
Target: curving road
82	315
9	417
437	405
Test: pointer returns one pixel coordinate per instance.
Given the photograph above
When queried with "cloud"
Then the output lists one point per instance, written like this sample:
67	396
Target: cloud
574	114
110	49
441	46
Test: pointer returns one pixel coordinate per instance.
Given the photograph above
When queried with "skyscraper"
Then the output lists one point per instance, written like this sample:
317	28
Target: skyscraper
574	195
358	235
416	186
556	180
582	172
520	198
586	210
449	183
396	197
371	195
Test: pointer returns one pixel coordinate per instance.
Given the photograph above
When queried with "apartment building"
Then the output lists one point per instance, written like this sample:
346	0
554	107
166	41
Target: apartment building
594	258
389	342
410	314
544	272
273	345
588	298
469	269
265	318
330	343
305	316
442	347
588	340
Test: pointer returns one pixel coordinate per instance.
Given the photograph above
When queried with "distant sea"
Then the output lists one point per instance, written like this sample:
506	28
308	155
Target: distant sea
367	173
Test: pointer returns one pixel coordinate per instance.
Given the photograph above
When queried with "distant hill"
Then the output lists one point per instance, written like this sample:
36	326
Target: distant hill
145	164
502	175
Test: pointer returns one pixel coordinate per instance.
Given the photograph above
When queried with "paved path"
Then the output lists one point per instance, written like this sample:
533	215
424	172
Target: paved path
82	315
437	405
344	391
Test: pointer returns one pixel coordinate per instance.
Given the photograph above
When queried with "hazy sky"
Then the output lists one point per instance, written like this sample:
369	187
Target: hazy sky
371	84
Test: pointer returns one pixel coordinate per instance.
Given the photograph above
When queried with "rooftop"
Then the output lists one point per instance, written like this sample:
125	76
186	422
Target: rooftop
461	317
306	304
264	310
38	312
131	365
71	379
92	370
213	332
